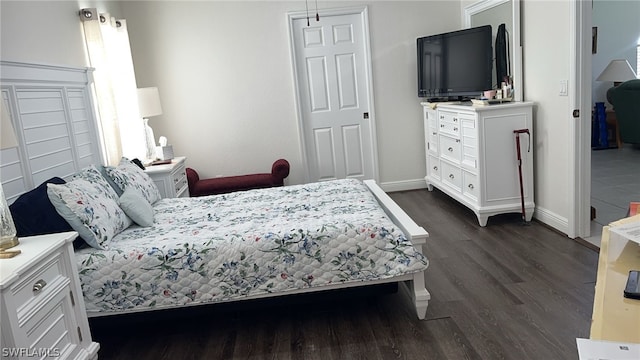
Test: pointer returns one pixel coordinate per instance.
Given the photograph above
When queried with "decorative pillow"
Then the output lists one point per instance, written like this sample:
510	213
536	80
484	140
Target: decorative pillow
33	213
95	177
136	207
114	186
127	174
94	215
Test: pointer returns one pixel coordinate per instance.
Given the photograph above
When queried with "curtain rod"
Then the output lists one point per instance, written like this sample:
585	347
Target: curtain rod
89	14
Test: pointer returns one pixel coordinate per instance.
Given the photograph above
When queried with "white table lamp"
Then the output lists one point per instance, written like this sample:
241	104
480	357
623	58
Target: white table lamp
9	236
618	71
149	105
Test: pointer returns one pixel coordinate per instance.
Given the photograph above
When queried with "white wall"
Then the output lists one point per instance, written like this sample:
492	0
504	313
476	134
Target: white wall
216	114
618	23
226	81
45	32
546	61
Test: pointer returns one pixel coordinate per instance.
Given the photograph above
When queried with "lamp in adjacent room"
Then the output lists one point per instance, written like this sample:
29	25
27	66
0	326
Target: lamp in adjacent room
8	236
149	105
618	71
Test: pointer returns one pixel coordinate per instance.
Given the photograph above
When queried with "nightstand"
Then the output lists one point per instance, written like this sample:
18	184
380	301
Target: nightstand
171	179
43	312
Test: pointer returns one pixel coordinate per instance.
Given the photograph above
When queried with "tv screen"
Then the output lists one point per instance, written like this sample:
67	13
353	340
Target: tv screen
456	64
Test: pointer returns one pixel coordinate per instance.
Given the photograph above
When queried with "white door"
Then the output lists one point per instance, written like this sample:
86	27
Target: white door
332	71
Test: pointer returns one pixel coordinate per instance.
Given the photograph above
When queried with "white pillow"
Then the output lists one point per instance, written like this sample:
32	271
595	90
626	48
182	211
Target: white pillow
136	207
128	174
95	216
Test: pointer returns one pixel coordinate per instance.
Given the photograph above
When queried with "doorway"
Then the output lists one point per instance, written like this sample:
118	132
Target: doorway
334	96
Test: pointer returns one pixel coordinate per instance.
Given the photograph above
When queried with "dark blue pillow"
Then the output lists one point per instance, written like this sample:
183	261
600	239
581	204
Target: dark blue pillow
33	213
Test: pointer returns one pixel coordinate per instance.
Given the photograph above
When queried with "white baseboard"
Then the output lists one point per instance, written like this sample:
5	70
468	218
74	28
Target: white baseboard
552	219
403	185
541	214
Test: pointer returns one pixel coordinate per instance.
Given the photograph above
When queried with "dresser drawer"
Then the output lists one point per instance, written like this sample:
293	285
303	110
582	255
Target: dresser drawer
451	175
469	143
432	140
449	123
38	281
434	167
470	185
450	148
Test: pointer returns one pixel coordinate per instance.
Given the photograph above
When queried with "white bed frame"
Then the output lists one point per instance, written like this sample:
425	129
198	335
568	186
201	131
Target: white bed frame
30	88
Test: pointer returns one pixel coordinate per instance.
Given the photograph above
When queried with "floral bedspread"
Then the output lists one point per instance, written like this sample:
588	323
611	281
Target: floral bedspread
222	247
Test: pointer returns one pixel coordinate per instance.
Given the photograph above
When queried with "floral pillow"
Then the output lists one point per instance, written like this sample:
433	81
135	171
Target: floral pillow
94	215
95	177
127	174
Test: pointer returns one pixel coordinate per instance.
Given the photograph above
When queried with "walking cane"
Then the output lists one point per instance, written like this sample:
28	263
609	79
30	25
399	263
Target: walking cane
518	132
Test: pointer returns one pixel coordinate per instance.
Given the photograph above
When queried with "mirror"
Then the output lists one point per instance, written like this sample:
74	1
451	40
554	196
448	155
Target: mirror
494	13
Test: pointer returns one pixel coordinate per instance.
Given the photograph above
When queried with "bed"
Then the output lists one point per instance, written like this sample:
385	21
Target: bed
253	244
207	250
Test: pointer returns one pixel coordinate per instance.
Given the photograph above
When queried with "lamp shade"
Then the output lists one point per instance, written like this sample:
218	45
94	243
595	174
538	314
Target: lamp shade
618	70
149	102
7	135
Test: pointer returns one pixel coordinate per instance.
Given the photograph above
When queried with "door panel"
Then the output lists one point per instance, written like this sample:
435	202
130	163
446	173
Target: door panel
353	156
331	63
325	156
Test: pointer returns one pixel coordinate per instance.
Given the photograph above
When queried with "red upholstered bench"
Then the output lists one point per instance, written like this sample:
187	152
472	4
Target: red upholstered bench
227	184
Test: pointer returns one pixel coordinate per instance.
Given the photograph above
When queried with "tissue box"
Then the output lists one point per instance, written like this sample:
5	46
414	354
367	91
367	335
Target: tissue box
164	152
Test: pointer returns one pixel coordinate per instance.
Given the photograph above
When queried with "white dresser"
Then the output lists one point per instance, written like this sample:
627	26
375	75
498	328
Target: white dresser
471	156
43	310
171	179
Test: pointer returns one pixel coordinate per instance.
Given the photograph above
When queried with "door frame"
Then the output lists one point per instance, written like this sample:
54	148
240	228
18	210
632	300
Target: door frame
363	11
580	79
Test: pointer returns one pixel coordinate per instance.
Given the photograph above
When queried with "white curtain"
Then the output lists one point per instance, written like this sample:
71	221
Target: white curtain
121	128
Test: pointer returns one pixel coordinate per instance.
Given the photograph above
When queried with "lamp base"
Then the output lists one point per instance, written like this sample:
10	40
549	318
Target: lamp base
8	242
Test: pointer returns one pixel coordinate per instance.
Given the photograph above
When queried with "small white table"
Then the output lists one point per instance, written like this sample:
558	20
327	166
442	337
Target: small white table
43	311
171	178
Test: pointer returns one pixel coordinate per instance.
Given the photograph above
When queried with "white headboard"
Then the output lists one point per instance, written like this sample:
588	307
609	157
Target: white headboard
53	116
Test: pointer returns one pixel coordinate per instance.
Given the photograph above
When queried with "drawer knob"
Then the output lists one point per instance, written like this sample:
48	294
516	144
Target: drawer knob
435	133
441	125
450	149
39	285
457	140
435	168
455	119
471	186
455	129
451	176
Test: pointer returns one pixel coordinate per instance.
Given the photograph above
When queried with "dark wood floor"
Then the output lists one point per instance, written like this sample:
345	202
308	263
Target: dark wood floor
506	291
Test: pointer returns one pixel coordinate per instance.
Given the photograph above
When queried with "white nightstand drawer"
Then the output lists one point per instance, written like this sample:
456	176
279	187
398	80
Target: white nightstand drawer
38	281
50	326
180	179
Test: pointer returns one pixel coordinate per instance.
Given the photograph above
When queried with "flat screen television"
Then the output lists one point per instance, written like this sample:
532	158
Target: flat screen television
455	65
